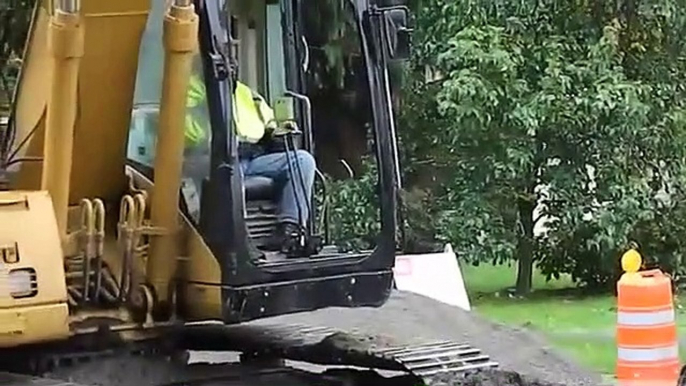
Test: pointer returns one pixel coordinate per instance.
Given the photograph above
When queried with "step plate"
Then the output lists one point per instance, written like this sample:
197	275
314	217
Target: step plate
329	346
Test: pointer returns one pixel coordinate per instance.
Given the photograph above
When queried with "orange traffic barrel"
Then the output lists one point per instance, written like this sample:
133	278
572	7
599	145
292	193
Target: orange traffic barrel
647	343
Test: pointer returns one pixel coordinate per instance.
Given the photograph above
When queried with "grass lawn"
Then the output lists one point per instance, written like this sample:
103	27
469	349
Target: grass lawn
581	326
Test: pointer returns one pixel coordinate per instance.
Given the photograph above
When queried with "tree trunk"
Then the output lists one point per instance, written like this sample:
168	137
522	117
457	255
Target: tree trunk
525	246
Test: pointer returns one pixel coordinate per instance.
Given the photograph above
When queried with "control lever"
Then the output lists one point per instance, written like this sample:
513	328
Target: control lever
284	113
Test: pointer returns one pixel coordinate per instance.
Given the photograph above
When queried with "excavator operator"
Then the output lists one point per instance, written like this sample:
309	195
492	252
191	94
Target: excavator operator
261	153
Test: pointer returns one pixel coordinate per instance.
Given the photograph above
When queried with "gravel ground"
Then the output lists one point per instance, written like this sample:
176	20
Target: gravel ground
410	315
525	359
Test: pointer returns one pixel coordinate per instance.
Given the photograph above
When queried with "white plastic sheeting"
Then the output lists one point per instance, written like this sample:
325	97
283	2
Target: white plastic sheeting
435	275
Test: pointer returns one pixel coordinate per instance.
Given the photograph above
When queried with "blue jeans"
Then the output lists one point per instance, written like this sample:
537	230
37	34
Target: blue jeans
275	166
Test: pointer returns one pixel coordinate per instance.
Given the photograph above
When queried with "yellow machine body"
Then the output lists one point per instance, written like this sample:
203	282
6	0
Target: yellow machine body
72	200
33	304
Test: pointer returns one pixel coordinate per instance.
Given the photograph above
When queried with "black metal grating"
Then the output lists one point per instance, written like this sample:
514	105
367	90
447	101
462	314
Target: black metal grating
261	221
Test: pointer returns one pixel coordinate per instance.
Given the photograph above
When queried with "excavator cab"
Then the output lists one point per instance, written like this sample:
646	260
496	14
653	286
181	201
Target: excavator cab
235	215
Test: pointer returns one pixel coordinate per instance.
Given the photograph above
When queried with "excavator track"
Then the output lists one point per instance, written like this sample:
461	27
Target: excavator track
288	376
8	379
134	369
428	361
263	348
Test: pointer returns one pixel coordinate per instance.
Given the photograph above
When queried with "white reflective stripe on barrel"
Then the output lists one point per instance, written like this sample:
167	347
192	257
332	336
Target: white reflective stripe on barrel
648	354
645	318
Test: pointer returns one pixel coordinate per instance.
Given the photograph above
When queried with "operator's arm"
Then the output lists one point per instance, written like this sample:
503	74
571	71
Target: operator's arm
274	130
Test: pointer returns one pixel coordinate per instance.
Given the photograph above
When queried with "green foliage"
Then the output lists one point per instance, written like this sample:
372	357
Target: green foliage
334	36
15	16
354	210
573	106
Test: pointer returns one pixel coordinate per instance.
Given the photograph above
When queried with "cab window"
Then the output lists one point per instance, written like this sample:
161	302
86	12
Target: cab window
145	114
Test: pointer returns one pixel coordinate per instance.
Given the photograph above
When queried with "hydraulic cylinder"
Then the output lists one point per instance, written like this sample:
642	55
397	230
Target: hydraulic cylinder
180	43
66	44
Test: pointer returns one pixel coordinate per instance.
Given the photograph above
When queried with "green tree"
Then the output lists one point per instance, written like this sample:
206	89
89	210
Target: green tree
15	16
554	114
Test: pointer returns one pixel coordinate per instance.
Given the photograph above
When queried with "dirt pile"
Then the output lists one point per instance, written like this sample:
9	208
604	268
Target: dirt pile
416	317
152	372
491	378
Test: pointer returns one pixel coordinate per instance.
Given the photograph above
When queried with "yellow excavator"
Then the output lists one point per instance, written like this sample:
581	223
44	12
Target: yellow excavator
110	228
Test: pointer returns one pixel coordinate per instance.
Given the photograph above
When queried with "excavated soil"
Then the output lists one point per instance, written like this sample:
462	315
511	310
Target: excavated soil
409	315
493	378
525	358
153	373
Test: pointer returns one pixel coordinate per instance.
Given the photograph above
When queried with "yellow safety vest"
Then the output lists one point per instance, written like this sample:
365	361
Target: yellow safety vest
251	113
195	130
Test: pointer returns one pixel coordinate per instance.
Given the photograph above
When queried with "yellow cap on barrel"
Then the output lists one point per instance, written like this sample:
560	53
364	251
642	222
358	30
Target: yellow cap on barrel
631	261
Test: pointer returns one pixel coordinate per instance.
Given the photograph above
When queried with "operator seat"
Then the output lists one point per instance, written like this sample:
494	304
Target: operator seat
261	193
261	197
259	188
